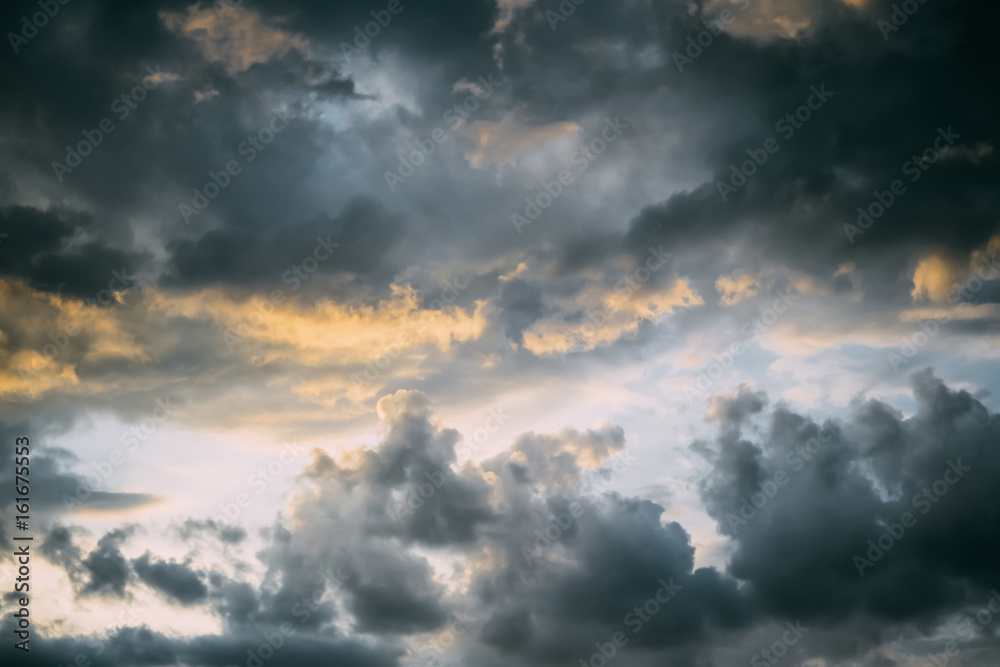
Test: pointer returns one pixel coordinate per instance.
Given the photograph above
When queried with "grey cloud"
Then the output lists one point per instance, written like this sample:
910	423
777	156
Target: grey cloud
108	572
846	483
175	580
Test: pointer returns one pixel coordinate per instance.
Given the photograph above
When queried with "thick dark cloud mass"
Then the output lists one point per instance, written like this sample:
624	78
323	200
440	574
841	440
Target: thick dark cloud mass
175	580
229	224
848	485
140	647
246	256
106	568
59	548
564	562
323	176
571	562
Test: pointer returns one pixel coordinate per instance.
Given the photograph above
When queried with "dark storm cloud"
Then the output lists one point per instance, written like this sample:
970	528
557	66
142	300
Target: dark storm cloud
295	73
323	177
107	570
576	567
395	596
59	548
521	306
142	647
570	562
152	148
175	580
884	109
234	601
888	104
831	491
390	488
570	565
889	100
439	31
355	242
619	553
610	558
34	251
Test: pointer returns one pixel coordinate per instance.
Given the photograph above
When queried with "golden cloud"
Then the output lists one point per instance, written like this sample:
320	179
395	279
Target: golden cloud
501	143
736	287
233	35
620	313
326	333
55	334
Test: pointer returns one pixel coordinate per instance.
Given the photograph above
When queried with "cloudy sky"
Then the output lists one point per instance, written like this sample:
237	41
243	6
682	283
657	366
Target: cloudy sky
506	333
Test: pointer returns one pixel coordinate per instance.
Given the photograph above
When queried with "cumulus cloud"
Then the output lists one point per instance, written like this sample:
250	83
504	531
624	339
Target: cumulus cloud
387	547
175	580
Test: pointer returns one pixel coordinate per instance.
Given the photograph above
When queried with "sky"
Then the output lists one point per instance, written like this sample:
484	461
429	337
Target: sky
505	333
